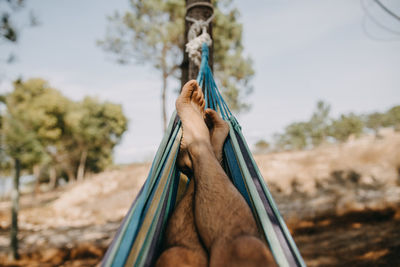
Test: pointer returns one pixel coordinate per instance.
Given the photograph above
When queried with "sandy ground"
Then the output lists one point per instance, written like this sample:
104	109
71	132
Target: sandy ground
341	202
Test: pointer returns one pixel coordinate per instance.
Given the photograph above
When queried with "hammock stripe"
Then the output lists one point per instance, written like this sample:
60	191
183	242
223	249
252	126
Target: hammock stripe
138	241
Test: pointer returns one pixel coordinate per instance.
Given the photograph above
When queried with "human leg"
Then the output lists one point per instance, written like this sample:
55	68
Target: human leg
181	239
223	218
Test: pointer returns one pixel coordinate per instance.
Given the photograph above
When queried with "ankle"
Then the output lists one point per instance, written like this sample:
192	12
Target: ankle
200	149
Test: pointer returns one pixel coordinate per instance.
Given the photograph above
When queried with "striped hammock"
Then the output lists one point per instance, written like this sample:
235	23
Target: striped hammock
139	238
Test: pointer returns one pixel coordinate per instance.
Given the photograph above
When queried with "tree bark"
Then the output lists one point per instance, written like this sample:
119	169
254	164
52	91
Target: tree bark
70	174
189	69
36	174
82	164
53	177
14	211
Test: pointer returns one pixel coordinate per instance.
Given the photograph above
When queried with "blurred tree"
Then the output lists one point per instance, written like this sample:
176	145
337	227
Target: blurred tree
262	146
95	128
345	126
2	152
375	121
318	125
9	31
313	132
232	69
152	32
43	109
40	126
294	137
72	134
393	117
390	118
22	147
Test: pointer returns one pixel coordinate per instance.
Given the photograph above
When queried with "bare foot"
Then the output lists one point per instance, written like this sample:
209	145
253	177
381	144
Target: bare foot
219	130
190	107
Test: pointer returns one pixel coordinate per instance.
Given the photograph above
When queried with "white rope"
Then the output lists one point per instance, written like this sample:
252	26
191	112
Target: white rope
197	35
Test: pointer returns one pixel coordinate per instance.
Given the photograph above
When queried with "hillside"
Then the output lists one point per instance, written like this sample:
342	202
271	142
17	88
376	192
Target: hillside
341	202
360	174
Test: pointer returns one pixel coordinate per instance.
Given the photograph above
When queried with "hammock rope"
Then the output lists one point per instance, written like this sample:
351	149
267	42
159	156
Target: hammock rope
198	35
139	238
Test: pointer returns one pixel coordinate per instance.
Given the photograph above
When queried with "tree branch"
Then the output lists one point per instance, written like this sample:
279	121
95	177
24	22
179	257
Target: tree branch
387	10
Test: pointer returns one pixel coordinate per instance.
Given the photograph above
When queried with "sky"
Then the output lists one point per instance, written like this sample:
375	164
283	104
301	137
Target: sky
303	51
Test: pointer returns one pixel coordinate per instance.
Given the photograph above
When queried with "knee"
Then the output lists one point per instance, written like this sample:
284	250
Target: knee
181	257
250	251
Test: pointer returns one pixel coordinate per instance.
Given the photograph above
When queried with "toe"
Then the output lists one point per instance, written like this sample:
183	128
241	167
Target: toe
195	95
202	104
208	121
208	118
213	115
189	88
215	120
198	100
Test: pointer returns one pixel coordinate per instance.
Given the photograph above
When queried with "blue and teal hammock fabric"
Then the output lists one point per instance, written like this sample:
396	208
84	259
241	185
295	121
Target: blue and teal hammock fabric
138	241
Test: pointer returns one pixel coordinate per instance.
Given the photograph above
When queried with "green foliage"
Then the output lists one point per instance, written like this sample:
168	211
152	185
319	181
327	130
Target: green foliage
20	142
3	162
322	128
319	123
295	136
232	70
345	126
41	126
300	135
393	117
41	107
95	128
262	146
375	121
8	29
152	32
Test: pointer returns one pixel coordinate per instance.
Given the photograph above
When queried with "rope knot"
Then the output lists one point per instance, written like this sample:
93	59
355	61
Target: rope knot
197	36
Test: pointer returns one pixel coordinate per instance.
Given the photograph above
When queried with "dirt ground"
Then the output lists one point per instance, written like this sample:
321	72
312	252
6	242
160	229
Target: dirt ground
341	203
366	238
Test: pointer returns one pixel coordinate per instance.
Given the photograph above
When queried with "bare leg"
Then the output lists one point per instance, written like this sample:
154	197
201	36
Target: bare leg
184	247
223	219
181	238
183	244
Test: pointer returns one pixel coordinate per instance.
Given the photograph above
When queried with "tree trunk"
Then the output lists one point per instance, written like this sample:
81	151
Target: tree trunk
82	163
164	101
14	211
189	69
36	174
70	174
53	177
